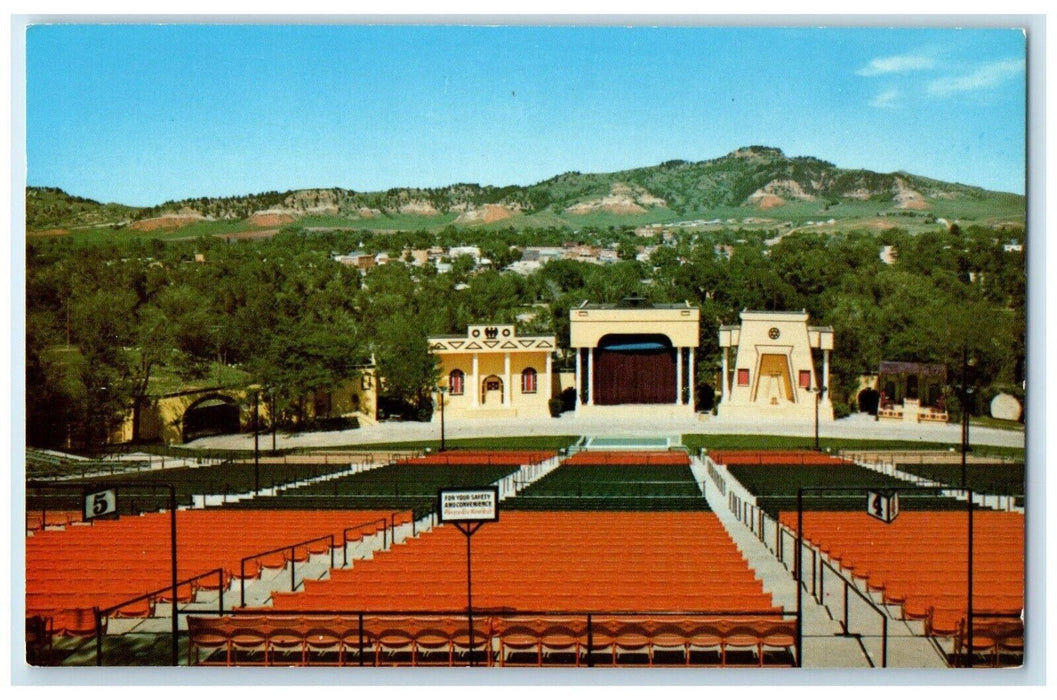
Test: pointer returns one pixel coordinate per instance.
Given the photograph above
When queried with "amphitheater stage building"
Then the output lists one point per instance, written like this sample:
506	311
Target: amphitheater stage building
634	358
773	375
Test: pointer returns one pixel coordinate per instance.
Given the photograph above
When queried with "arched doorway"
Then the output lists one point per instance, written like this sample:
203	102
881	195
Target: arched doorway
492	391
215	414
635	369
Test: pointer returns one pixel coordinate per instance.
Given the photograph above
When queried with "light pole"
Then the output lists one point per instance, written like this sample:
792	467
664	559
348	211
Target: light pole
967	392
256	442
271	414
440	392
819	391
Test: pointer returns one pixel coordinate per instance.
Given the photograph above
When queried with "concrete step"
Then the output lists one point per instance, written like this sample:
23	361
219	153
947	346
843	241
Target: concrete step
825	643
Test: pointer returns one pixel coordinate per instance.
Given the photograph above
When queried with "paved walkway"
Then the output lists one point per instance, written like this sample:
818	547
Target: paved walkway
859	426
825	646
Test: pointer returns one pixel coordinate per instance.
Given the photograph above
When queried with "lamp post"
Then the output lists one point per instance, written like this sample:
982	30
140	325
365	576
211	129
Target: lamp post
440	392
271	414
819	391
256	442
967	392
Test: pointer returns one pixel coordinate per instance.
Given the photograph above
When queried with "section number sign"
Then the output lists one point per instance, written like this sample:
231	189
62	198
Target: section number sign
100	503
883	505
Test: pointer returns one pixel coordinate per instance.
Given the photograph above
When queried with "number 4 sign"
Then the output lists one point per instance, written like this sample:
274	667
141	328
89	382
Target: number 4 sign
100	503
883	505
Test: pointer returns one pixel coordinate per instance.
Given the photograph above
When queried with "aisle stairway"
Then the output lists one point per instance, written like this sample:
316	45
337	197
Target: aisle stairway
824	644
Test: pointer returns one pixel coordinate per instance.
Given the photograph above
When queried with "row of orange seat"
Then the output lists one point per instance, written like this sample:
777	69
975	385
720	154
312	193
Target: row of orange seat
776	458
535	640
38	520
516	564
110	562
481	457
920	560
633	458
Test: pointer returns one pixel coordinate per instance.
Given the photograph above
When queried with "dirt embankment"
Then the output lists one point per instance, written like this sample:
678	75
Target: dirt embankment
489	213
623	200
166	222
270	218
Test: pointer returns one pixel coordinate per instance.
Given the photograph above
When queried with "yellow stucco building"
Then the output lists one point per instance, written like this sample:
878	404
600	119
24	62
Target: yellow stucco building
491	372
633	357
773	375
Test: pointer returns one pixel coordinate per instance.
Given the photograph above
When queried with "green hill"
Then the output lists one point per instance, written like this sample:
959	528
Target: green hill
753	182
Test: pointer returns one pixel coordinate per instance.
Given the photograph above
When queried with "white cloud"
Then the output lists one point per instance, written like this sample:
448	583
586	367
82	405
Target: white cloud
886	99
984	77
896	64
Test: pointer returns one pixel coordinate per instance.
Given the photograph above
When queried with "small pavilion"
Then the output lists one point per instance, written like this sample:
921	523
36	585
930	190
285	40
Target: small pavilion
912	391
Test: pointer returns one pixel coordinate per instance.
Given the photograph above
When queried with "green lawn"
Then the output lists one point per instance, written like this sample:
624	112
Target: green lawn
695	442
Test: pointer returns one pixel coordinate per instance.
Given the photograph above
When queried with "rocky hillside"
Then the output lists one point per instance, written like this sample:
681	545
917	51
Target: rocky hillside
756	178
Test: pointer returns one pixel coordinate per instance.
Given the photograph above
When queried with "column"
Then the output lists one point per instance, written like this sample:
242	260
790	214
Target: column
678	376
547	378
723	390
691	378
579	377
590	376
825	371
475	384
506	379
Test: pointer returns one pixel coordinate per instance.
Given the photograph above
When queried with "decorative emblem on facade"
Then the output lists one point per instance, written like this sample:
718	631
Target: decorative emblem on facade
491	332
774	333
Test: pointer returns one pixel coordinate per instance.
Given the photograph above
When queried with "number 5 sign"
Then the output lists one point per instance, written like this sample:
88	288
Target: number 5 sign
100	503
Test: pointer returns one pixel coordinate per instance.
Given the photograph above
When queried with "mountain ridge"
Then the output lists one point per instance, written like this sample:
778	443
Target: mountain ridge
753	178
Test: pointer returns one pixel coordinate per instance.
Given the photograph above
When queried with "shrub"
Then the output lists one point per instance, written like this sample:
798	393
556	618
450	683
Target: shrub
555	406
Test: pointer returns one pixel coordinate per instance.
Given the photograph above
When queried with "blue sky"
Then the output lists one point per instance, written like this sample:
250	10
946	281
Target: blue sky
140	114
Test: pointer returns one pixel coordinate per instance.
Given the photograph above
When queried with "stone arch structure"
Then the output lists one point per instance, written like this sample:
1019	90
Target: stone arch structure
212	414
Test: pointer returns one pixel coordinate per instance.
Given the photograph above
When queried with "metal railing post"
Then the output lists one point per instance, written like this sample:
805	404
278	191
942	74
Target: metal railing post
361	637
98	636
590	642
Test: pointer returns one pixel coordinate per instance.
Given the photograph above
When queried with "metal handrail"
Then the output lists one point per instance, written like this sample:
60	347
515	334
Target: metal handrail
588	615
293	567
100	613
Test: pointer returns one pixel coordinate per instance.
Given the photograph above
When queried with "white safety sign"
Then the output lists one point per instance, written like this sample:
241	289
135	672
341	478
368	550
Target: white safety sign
468	505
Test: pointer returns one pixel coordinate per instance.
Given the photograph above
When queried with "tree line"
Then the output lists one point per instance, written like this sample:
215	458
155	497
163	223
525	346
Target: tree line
106	323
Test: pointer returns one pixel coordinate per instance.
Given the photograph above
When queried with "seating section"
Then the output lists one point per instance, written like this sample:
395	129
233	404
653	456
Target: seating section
644	481
405	486
775	458
919	563
38	520
634	458
45	464
775	483
1006	479
228	478
481	457
536	575
499	640
112	562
